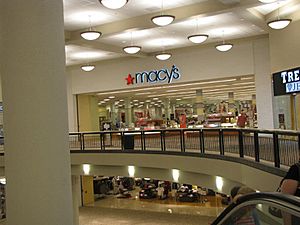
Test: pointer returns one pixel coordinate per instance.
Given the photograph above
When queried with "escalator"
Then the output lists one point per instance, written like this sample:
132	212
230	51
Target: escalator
262	209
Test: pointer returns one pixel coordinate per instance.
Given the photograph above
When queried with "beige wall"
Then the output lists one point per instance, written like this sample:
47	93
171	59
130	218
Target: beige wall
249	56
195	63
285	47
200	171
88	113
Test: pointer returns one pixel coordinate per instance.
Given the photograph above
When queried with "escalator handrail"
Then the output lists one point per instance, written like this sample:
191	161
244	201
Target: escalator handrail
273	197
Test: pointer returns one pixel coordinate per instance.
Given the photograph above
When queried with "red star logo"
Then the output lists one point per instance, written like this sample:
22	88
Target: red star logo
129	79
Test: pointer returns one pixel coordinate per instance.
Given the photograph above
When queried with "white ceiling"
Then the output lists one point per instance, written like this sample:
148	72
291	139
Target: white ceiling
220	19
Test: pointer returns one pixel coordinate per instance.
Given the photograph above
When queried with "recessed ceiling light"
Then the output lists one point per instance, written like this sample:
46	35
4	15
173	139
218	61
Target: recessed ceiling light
111	97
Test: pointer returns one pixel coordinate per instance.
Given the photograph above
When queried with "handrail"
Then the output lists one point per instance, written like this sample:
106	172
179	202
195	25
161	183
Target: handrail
280	147
288	202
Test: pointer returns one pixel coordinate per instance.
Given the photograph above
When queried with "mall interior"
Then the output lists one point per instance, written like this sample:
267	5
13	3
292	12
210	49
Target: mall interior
214	77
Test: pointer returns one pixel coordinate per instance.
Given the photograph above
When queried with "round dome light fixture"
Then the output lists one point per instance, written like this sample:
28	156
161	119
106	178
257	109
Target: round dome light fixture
163	56
90	35
87	67
163	20
132	49
113	4
279	23
267	1
224	47
198	38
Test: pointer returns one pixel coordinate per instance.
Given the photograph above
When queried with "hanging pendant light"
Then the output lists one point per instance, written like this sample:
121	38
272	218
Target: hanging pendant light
197	38
163	20
279	24
163	56
267	1
113	4
88	67
132	49
225	46
90	35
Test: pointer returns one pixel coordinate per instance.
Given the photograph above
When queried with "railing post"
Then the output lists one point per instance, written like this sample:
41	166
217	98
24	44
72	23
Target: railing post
101	141
203	142
164	140
181	144
144	141
82	141
183	141
241	144
142	145
221	142
256	146
299	144
276	150
161	140
122	141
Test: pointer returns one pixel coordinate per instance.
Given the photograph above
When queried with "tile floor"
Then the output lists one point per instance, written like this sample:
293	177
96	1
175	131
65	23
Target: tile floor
114	211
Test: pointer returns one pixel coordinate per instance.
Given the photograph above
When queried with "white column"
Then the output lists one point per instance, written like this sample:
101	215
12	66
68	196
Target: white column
231	106
76	194
167	108
128	112
37	157
200	104
263	84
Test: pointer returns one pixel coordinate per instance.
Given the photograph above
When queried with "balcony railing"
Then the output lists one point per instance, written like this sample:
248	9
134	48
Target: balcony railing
278	147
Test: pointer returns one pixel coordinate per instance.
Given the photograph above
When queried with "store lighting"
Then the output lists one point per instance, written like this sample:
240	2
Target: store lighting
198	38
267	1
113	4
90	35
87	67
86	169
111	97
132	49
175	175
131	171
219	183
163	56
224	47
163	20
279	24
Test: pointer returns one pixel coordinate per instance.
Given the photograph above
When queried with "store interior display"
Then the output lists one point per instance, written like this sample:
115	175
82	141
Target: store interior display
152	189
216	114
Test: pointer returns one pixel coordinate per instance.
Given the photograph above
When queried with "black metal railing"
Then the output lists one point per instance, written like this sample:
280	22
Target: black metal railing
277	146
